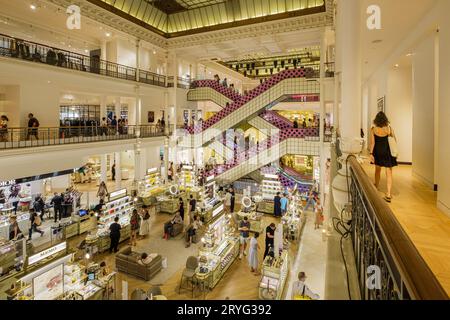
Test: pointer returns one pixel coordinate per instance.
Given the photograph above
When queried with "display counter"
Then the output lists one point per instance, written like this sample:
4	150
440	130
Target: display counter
216	261
266	207
274	275
170	204
293	221
151	187
71	228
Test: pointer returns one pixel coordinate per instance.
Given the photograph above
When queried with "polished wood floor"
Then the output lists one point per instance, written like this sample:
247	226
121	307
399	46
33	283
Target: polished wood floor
414	205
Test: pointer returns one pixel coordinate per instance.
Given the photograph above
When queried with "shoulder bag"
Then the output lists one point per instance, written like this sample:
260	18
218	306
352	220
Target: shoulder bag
392	144
302	296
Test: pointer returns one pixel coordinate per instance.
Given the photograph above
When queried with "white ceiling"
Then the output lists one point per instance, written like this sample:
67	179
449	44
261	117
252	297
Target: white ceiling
398	18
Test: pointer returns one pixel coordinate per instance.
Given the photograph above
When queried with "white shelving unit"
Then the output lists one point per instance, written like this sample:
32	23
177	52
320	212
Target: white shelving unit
270	187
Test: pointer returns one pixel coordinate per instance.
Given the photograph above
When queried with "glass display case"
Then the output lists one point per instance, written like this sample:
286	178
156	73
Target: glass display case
274	275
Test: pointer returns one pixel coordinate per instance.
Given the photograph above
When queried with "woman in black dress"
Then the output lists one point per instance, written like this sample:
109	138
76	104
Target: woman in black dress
380	152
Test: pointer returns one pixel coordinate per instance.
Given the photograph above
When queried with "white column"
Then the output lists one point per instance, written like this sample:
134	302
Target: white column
175	84
348	58
139	165
103	50
118	170
117	109
103	112
103	169
349	25
138	58
166	157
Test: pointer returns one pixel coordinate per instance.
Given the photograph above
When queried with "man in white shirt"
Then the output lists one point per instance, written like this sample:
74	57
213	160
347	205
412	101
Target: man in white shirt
299	288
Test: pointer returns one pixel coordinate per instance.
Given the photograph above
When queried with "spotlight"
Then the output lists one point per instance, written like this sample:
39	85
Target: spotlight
33	6
87	256
108	34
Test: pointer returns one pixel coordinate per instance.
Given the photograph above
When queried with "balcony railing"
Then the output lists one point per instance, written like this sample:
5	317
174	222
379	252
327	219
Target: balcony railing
35	52
16	138
182	83
379	241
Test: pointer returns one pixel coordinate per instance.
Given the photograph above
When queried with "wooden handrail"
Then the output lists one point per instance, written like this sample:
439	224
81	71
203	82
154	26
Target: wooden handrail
417	276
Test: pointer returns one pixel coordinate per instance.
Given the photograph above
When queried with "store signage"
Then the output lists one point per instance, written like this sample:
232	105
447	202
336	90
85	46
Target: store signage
117	194
7	183
218	210
47	253
152	170
208	179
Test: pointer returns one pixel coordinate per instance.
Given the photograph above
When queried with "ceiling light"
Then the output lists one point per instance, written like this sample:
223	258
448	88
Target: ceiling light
410	54
86	51
154	51
33	6
396	65
108	34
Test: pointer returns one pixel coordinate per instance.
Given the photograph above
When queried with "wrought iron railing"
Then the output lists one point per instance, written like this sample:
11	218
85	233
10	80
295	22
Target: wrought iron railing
35	52
182	83
17	138
329	69
380	242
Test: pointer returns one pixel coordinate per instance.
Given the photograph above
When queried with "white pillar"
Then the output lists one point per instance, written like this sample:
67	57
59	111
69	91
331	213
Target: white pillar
103	169
103	50
175	84
166	157
103	112
350	50
348	58
139	163
138	58
118	170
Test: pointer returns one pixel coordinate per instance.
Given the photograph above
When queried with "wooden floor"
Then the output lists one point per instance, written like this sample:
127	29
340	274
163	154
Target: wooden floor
414	205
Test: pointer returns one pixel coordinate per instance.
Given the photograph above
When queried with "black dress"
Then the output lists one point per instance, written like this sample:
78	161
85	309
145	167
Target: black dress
382	153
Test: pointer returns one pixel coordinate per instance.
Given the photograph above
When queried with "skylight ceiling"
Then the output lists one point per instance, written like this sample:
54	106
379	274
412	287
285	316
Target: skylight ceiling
182	17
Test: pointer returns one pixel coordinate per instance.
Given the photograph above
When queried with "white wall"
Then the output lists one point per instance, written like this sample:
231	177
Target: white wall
399	109
423	110
444	109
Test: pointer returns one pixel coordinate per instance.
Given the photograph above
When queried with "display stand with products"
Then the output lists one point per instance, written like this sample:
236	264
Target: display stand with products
274	275
220	249
188	177
120	205
60	278
294	220
209	201
269	189
169	203
150	187
85	222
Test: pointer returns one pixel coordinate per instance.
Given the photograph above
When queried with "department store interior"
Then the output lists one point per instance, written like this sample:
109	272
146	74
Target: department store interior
224	150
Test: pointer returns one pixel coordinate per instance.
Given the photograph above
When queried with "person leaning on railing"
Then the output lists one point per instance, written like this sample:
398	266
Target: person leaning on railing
33	124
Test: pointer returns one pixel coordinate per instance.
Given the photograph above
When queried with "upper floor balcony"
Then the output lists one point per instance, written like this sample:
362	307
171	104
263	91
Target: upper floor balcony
19	138
34	52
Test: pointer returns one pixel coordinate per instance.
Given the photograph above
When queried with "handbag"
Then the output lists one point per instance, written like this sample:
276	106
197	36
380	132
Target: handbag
392	144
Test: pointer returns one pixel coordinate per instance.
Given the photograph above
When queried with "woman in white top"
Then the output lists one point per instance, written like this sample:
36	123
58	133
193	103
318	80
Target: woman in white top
318	210
144	226
253	254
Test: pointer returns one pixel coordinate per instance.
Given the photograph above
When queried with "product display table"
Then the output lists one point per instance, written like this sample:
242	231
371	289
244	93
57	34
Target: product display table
274	275
265	207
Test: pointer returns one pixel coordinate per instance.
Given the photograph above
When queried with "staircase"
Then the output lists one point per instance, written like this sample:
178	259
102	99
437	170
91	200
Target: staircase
289	141
287	82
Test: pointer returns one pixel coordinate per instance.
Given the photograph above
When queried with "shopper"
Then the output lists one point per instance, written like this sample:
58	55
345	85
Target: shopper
295	124
380	151
311	200
277	205
35	223
253	253
57	201
102	192
39	206
168	226
145	259
113	172
144	226
170	172
192	206
270	236
134	225
318	210
181	207
284	204
99	207
14	230
33	124
4	128
197	224
227	201
300	290
114	234
244	230
114	124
